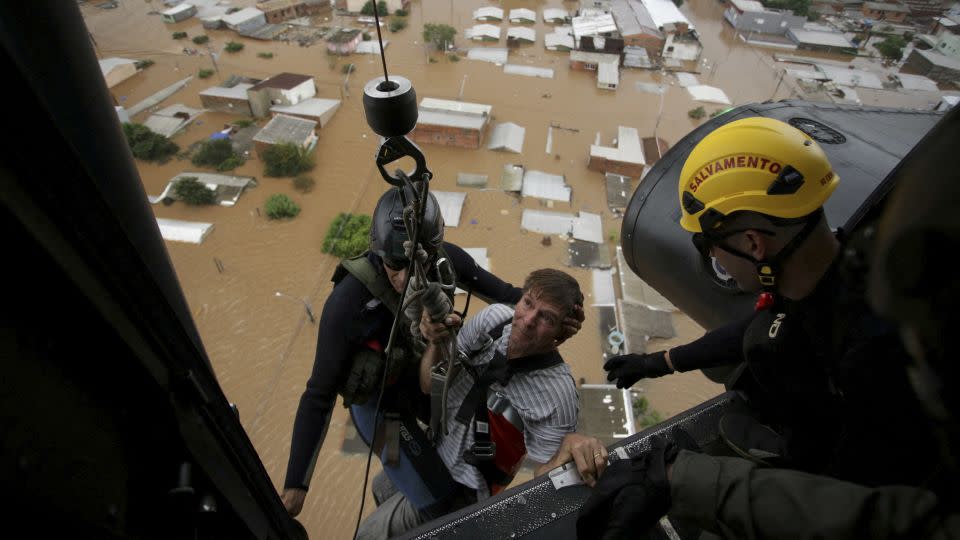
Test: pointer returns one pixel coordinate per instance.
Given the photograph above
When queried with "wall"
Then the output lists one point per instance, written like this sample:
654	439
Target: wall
250	24
602	164
119	74
305	90
879	15
229	105
447	136
948	44
651	43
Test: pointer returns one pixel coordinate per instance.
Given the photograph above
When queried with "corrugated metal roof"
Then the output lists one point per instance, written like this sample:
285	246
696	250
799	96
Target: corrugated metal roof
593	26
708	94
665	13
529	71
594	57
603	292
283	81
451	205
551	14
588	227
628	149
608	75
107	64
522	14
313	107
493	55
885	6
178	9
748	5
917	82
507	136
282	128
687	79
545	222
512	177
940	59
472	180
522	33
488	12
637	57
237	92
851	77
191	232
816	37
558	40
370	47
461	107
242	16
483	31
545	186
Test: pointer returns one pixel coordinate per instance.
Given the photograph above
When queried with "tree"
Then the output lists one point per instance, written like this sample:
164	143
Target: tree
233	47
697	113
279	206
191	191
678	3
438	34
144	64
212	153
400	12
179	35
286	159
200	40
205	73
348	235
147	145
800	8
891	47
367	8
398	24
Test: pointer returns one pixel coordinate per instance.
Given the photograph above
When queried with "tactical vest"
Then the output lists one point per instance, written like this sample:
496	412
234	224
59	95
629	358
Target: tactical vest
367	364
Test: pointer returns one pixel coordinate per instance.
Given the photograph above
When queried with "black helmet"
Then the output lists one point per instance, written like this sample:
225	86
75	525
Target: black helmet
387	233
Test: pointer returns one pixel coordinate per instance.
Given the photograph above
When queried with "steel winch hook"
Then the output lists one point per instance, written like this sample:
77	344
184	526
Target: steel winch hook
390	107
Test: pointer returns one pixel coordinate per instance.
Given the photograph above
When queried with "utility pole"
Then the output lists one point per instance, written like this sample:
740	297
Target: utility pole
462	84
782	73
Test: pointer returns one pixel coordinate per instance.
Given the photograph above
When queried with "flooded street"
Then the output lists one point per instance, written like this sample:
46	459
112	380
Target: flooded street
262	346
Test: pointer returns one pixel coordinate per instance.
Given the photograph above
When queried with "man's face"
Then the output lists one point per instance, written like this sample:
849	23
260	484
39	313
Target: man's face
396	273
741	270
536	325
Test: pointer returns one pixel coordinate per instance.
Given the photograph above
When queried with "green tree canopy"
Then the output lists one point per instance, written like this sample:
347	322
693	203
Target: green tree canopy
147	145
279	206
440	35
212	153
798	7
287	159
891	47
367	8
191	191
348	235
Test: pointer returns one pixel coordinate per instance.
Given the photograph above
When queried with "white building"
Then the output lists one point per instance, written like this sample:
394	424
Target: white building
483	32
523	16
488	13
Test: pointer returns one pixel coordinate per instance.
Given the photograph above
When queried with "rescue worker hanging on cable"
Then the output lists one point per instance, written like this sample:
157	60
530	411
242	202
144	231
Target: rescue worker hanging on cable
353	331
820	365
736	498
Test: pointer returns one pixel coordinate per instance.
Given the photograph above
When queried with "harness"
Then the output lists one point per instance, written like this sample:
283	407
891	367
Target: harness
498	443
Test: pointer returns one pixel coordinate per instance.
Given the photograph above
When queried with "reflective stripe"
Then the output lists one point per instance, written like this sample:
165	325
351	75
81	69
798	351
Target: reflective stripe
500	404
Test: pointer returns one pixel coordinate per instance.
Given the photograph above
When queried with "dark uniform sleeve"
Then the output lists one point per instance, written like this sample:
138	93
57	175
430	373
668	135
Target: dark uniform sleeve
719	347
330	365
481	283
734	498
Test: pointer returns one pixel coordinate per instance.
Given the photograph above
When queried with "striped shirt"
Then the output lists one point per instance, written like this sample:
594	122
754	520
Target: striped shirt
546	400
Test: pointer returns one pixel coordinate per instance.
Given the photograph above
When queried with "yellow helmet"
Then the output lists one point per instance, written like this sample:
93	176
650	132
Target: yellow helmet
754	164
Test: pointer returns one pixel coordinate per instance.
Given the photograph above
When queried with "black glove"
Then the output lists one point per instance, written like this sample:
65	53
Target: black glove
630	368
631	496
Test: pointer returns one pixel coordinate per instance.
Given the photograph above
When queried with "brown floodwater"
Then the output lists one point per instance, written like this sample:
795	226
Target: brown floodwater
262	346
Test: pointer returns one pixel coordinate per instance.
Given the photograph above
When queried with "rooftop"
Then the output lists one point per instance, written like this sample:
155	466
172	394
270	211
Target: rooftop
550	14
241	16
522	33
817	37
885	6
523	14
665	12
283	81
940	59
488	12
282	128
343	35
108	64
628	149
178	9
236	92
748	5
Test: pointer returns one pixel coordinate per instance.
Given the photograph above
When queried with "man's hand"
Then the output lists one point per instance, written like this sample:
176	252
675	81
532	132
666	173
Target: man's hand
571	324
631	497
438	331
627	369
587	452
293	500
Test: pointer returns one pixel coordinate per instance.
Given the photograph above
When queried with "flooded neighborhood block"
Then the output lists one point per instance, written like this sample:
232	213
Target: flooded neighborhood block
191	232
507	136
472	180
